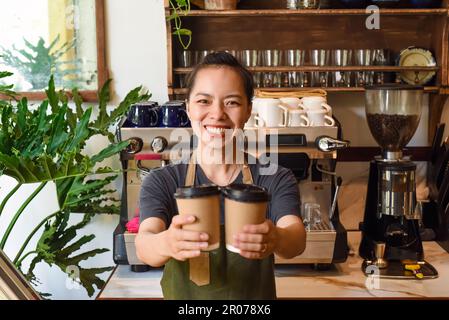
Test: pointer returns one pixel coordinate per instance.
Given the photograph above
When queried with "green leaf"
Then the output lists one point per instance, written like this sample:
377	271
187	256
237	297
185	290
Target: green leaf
182	32
81	132
5	74
78	102
59	135
52	95
22	115
103	97
131	98
109	151
89	278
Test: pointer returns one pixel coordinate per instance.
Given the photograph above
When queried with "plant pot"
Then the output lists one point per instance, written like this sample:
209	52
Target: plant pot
220	4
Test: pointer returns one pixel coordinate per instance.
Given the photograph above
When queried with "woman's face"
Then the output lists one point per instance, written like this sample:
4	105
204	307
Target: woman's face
217	105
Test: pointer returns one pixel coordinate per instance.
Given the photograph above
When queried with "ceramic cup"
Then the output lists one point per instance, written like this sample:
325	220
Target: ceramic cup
271	111
142	115
254	121
173	114
297	118
291	102
316	103
319	118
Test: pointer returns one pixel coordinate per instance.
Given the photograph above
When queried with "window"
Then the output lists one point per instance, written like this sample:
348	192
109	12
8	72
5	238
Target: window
60	37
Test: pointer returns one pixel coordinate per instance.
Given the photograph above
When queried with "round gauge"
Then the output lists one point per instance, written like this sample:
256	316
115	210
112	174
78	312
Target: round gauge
413	57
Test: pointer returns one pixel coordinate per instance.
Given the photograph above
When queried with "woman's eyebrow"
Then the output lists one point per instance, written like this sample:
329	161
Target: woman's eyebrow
203	94
234	96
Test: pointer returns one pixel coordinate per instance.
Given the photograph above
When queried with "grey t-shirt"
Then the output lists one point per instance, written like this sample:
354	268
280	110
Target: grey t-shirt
158	189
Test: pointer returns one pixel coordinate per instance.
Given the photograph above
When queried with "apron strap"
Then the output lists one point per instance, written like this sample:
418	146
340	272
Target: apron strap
191	170
247	176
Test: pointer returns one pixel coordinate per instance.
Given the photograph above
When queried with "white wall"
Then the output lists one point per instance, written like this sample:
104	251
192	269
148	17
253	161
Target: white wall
136	53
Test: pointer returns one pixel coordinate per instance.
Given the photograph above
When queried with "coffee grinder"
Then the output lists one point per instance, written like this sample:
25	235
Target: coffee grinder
391	245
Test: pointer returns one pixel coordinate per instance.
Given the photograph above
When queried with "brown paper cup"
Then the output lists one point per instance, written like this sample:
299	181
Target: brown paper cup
204	204
244	204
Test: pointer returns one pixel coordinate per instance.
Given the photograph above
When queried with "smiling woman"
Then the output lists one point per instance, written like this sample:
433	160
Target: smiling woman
60	37
219	104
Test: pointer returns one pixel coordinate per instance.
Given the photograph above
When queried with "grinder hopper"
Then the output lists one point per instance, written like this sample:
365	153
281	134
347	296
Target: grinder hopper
393	113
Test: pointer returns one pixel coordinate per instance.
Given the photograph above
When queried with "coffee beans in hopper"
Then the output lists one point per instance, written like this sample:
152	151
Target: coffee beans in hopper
392	131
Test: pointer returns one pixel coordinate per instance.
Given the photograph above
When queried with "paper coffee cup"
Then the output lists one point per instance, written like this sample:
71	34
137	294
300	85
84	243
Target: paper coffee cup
203	202
244	204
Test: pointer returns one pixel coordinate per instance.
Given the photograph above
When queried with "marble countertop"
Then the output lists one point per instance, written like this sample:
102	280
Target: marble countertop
344	280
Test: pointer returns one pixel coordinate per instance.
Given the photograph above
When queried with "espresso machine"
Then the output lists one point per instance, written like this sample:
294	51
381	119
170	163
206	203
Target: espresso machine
391	244
311	154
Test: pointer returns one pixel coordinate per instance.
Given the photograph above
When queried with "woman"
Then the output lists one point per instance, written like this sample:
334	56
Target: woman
220	91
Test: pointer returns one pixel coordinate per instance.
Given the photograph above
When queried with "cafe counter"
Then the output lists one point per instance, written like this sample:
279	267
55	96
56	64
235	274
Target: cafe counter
344	280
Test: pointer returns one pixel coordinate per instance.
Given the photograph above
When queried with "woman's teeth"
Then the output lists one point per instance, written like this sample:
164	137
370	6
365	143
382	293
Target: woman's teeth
215	130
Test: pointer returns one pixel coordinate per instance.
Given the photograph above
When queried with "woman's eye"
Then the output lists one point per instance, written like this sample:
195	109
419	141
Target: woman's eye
233	103
203	101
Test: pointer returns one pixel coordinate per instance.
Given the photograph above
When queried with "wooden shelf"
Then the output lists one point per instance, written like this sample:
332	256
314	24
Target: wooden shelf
268	24
327	68
357	154
428	89
313	12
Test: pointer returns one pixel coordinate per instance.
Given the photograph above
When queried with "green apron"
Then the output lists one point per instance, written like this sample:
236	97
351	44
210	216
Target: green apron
231	275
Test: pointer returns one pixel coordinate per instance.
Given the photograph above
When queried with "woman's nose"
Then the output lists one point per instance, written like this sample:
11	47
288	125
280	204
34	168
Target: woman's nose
217	111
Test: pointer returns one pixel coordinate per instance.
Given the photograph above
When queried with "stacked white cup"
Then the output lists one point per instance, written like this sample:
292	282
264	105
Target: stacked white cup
318	111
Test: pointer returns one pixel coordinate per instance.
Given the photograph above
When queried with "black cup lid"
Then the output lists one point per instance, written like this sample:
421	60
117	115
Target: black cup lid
246	193
196	192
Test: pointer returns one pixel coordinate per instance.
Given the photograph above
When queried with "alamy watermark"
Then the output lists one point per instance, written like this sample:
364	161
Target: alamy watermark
372	22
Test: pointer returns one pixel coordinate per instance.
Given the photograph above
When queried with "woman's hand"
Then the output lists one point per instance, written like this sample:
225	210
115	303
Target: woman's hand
184	244
257	241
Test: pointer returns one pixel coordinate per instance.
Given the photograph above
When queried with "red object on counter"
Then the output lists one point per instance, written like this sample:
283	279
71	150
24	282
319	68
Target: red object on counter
147	156
133	225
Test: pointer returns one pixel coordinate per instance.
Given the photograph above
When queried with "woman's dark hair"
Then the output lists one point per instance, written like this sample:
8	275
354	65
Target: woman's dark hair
223	59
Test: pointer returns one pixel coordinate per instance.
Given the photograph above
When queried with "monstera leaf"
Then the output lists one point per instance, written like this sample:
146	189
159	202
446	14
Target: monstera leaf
55	248
87	196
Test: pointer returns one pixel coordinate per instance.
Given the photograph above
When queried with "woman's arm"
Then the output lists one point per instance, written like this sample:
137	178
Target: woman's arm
155	245
287	239
291	239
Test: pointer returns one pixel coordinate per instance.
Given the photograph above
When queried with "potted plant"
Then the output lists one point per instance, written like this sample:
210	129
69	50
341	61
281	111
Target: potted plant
46	144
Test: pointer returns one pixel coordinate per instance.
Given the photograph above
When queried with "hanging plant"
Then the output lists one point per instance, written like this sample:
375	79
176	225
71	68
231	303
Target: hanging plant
180	8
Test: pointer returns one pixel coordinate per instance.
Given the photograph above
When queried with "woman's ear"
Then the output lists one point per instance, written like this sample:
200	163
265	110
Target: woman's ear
187	107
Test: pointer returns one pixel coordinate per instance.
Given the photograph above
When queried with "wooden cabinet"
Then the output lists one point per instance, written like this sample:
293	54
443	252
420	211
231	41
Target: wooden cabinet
262	25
